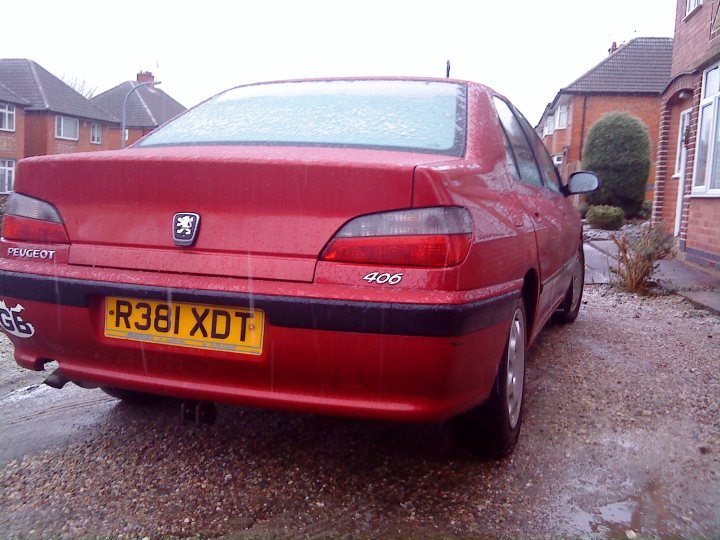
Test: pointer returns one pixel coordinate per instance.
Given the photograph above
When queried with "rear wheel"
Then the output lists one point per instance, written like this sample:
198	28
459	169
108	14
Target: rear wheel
568	311
131	396
493	427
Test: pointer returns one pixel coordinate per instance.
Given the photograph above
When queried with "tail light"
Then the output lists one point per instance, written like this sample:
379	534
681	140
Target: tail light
32	220
434	237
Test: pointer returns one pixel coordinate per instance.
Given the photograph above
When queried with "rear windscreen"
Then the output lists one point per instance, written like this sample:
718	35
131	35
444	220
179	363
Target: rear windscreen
420	116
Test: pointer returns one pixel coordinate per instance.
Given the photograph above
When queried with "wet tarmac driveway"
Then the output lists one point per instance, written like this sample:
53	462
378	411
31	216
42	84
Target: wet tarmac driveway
621	439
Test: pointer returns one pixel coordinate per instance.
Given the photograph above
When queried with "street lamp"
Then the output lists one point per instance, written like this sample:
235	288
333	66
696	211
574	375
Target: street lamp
124	109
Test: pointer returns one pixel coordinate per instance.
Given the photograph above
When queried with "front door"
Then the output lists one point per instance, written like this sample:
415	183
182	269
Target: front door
680	163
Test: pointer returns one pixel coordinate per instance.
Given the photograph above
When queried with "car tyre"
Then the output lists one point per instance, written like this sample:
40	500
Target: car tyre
131	397
492	428
568	311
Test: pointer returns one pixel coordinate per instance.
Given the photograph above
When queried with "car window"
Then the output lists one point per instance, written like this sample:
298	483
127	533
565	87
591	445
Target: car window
409	115
510	158
547	167
524	155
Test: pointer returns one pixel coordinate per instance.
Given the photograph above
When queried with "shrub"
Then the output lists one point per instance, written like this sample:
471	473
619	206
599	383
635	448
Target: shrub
618	150
608	218
638	255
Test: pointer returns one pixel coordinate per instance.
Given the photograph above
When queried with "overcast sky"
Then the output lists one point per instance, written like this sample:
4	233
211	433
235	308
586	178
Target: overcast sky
525	49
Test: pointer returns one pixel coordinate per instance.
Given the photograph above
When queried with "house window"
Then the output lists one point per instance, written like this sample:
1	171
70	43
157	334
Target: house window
67	128
95	133
557	159
7	117
549	125
7	175
562	118
692	5
706	178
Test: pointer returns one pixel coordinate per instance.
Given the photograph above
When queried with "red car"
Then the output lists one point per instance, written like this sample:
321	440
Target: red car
379	248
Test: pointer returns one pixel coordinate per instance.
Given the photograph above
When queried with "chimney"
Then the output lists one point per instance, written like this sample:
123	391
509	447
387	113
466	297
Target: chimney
611	50
145	76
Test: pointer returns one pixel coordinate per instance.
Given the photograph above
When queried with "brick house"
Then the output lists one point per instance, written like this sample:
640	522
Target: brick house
631	79
12	136
687	195
57	119
147	107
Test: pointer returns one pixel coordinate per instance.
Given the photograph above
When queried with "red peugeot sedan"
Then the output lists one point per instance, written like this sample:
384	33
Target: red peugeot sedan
378	248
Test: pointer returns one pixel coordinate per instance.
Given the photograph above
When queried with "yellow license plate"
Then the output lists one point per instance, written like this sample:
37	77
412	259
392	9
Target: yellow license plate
199	326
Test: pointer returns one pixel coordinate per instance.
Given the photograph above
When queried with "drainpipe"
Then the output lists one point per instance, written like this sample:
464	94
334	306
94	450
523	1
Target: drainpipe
582	129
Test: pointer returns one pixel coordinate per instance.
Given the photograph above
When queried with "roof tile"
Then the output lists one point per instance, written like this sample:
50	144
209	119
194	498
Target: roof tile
45	92
9	96
641	66
147	107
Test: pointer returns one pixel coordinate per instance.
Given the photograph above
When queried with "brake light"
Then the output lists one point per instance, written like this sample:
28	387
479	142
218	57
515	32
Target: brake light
32	220
434	237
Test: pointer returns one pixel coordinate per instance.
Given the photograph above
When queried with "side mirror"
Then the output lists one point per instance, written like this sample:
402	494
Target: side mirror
582	182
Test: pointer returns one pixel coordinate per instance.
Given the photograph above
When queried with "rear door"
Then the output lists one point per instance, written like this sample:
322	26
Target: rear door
559	205
541	203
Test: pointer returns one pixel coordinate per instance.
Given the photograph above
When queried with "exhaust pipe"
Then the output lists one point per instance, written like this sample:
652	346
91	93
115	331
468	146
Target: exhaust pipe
200	412
57	379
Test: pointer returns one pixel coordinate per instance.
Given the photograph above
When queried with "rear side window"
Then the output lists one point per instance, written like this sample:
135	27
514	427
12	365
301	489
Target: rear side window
524	155
510	158
547	167
423	116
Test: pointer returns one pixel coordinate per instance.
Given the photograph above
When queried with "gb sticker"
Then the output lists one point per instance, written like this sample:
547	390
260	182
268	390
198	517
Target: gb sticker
12	323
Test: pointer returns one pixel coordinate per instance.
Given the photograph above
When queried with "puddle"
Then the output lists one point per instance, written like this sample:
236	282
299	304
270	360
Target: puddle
621	512
647	513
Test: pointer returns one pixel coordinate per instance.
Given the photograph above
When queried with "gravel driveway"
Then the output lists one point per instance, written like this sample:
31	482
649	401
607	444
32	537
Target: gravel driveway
621	437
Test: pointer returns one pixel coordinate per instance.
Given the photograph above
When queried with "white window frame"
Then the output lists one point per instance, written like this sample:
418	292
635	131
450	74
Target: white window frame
7	175
561	117
62	124
95	133
707	186
692	5
557	159
7	111
549	125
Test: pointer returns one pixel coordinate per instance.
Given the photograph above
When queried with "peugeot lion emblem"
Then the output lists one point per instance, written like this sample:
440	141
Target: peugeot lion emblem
185	228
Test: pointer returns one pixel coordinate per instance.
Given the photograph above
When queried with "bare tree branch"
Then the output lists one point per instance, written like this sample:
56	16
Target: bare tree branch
81	87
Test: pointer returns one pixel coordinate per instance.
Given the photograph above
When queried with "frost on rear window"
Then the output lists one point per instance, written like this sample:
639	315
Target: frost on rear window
398	115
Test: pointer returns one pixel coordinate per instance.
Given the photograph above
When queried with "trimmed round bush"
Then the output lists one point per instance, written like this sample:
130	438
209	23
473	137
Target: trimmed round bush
617	149
607	218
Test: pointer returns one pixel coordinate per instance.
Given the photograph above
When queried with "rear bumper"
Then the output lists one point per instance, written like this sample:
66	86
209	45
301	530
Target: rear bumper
378	359
432	320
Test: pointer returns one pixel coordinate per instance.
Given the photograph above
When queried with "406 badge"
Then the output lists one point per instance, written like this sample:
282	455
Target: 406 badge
13	323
